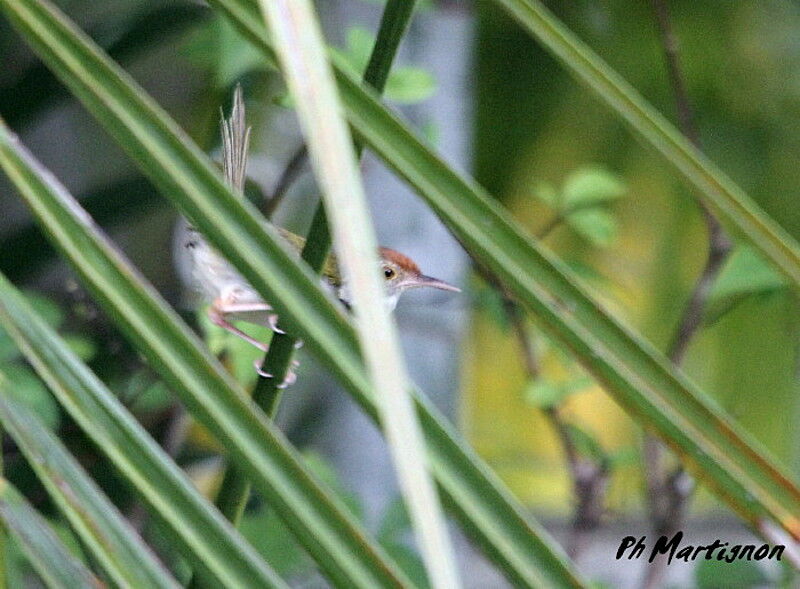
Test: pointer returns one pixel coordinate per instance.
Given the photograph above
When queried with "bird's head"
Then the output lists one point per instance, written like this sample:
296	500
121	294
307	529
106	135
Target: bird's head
400	273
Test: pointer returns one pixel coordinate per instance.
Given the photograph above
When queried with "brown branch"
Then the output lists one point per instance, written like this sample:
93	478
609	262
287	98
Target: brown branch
668	493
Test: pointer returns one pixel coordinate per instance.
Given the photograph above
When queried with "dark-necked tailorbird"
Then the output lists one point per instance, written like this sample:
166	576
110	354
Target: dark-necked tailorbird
232	297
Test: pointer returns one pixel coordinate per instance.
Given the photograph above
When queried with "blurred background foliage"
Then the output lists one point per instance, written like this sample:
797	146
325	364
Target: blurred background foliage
540	143
537	133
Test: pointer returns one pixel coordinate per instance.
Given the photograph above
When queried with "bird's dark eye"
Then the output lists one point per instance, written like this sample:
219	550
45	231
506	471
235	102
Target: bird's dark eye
388	273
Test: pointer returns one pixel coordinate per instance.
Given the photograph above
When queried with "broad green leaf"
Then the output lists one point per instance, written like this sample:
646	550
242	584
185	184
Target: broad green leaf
597	225
405	85
112	541
59	568
83	346
47	309
745	274
410	85
589	186
217	47
205	537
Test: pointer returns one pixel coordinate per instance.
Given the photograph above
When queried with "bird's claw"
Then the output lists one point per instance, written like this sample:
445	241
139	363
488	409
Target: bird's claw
272	321
290	379
291	375
260	371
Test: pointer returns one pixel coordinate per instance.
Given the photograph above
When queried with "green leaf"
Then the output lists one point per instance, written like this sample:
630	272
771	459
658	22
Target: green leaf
546	393
219	48
55	564
410	85
586	444
26	388
745	274
405	85
734	207
590	186
205	537
596	225
275	542
154	397
83	346
548	194
46	308
121	552
359	43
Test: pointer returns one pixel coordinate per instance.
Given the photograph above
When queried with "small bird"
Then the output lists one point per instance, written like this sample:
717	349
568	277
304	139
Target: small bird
233	298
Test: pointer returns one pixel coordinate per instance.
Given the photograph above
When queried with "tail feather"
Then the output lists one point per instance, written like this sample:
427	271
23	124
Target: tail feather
235	142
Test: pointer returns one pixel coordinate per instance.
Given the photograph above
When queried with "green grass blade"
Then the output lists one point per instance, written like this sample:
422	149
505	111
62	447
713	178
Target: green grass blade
58	568
318	520
734	207
117	547
205	537
302	51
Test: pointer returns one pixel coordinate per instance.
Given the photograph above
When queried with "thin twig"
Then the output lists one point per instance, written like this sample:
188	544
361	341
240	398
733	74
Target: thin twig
589	477
290	173
669	492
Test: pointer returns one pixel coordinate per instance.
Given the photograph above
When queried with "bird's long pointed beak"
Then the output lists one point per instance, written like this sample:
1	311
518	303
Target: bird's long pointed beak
422	280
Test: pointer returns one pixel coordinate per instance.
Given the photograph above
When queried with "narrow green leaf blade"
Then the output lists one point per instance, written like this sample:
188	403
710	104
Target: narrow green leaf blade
639	377
318	519
308	74
739	212
115	545
59	568
206	537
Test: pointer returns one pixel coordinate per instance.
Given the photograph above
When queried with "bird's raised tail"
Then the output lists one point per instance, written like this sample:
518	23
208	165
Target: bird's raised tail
235	142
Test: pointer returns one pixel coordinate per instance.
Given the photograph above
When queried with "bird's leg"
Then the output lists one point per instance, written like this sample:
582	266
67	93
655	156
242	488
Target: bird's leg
217	313
257	313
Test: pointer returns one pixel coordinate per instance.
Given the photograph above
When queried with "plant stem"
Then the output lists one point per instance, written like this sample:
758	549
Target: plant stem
589	477
235	488
669	492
